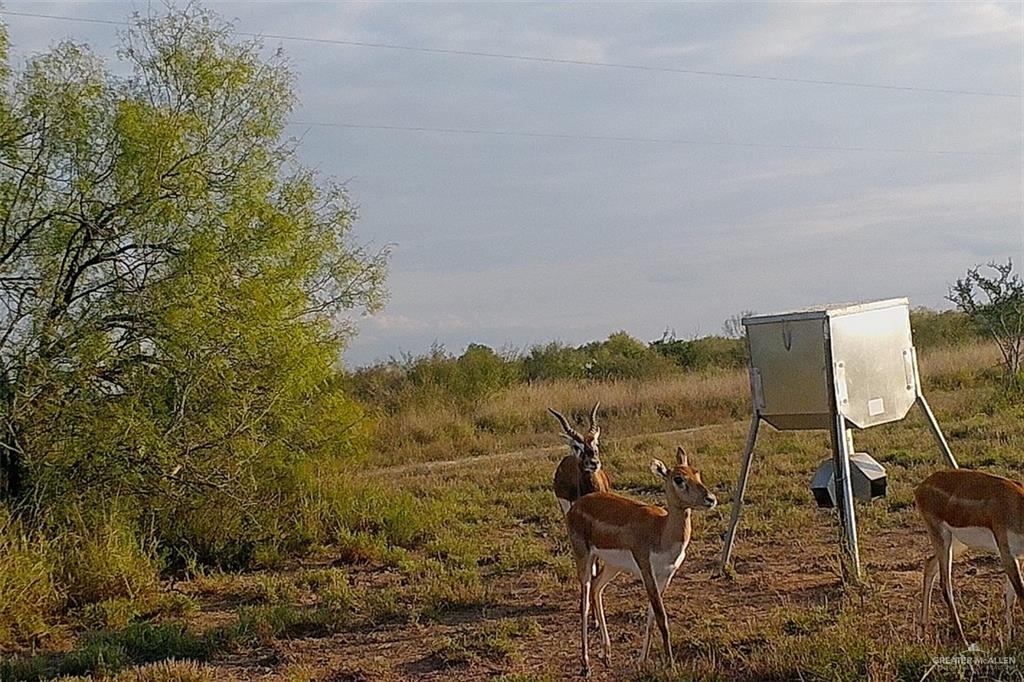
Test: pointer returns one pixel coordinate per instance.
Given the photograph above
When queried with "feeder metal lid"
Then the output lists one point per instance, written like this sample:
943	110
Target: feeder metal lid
822	311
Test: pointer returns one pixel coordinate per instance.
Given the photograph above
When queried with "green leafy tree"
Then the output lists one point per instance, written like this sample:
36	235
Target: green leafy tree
483	372
701	353
554	360
621	356
996	304
173	285
936	329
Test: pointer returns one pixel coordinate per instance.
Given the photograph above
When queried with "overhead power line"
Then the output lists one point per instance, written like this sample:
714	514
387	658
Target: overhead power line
570	62
584	137
645	140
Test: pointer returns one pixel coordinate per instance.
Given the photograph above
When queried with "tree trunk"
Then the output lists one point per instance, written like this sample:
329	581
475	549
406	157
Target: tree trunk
12	480
10	472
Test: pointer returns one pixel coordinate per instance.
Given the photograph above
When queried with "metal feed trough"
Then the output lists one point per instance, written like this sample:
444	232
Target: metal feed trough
835	368
867	478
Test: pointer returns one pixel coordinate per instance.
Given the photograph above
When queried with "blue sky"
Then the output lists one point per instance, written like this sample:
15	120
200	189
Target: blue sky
511	240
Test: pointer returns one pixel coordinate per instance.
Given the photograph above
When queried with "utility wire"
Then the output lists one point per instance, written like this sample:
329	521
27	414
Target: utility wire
571	62
645	140
596	138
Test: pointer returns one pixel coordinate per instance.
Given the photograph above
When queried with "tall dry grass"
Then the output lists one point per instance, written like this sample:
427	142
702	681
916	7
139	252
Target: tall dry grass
959	366
29	593
517	417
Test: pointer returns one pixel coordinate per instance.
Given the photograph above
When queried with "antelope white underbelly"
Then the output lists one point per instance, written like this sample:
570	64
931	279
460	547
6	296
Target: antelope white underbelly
620	559
669	561
977	537
665	564
974	537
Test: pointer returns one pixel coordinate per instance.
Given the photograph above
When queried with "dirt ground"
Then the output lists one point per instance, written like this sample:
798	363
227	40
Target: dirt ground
787	577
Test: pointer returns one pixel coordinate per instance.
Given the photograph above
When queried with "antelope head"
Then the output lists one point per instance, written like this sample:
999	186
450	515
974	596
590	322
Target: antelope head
584	447
683	487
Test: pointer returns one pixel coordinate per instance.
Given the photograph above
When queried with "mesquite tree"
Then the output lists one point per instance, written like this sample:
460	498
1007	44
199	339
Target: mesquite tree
996	304
172	283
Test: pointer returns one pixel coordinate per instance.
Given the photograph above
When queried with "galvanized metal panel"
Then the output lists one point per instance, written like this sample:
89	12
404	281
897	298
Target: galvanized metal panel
873	352
873	364
822	311
789	373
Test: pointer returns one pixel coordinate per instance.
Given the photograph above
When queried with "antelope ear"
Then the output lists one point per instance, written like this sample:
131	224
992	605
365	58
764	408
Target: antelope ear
659	469
681	456
573	445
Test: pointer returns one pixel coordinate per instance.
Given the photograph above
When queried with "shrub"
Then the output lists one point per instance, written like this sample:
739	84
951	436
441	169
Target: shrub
623	357
937	329
30	595
553	361
996	305
709	352
103	557
620	356
481	372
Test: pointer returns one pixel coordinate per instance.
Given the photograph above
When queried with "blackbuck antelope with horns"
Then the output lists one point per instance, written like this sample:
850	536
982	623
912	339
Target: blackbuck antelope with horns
965	509
580	473
634	537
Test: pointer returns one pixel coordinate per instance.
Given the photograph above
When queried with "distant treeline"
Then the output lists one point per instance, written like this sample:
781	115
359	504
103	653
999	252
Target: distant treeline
480	370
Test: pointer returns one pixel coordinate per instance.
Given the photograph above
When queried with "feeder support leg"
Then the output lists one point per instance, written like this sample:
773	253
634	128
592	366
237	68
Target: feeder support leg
929	416
933	425
841	442
741	487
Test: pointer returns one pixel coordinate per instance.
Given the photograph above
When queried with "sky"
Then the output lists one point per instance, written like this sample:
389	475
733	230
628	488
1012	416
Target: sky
726	194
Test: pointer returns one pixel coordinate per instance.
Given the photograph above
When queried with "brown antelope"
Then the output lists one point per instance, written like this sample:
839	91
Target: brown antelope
633	537
965	509
580	472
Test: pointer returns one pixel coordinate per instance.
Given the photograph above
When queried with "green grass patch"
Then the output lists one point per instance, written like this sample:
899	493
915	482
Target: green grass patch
495	641
282	621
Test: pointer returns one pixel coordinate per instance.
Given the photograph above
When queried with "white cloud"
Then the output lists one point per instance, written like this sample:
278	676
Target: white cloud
385	322
972	203
839	31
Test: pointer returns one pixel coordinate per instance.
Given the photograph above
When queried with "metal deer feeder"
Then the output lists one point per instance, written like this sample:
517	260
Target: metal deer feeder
835	368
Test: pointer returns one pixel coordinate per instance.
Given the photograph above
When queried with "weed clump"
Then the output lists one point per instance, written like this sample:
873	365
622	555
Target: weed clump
31	593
